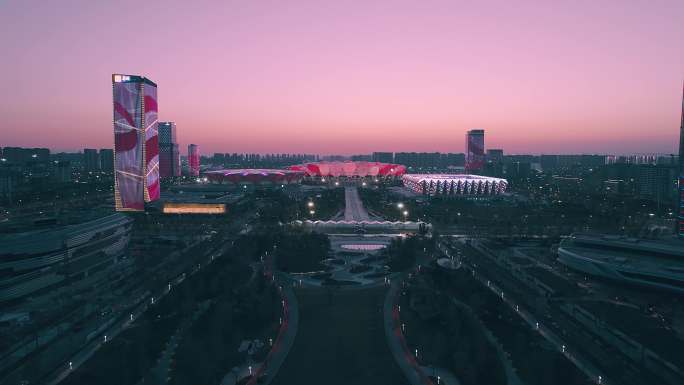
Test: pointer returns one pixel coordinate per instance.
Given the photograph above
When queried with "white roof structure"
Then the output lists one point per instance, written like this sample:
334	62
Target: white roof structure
454	184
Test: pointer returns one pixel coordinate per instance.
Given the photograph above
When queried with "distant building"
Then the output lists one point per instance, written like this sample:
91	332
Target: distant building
169	156
91	160
136	147
106	160
361	158
26	156
549	162
62	171
495	155
475	150
383	157
656	183
193	159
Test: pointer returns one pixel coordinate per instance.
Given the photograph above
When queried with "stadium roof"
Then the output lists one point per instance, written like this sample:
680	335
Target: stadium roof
254	175
350	169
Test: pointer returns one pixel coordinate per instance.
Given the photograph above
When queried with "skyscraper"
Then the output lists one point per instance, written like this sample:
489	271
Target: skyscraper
136	148
475	150
680	209
91	160
169	156
193	159
106	159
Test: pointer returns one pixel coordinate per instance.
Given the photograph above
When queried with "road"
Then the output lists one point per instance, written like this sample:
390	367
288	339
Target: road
353	207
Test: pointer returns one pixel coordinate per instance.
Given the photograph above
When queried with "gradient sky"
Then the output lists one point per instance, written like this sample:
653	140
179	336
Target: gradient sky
351	76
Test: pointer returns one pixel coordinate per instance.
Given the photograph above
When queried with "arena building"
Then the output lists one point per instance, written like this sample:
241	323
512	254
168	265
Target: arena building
459	184
254	177
350	170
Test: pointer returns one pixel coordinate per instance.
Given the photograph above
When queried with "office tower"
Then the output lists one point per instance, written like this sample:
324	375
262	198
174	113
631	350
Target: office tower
107	159
91	160
136	149
383	157
169	156
193	159
475	150
495	155
680	209
62	171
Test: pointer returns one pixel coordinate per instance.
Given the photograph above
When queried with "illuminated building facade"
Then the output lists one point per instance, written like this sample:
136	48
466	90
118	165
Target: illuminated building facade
254	176
458	184
193	159
136	147
350	169
169	156
475	150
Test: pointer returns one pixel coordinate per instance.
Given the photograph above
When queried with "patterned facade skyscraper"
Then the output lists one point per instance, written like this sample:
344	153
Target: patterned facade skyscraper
169	156
475	151
680	209
136	147
193	159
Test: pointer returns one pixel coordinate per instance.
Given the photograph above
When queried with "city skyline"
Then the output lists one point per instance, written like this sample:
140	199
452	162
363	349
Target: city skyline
315	78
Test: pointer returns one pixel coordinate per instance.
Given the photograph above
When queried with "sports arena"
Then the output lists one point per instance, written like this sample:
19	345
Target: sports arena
458	184
255	177
350	170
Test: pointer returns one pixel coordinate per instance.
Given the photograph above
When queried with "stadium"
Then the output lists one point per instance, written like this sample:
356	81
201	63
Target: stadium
454	185
350	170
255	177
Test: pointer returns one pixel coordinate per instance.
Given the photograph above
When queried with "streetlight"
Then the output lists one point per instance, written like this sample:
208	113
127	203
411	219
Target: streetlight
405	213
312	212
310	204
400	205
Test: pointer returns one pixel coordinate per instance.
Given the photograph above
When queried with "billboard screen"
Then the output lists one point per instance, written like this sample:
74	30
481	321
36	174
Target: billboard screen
151	143
128	146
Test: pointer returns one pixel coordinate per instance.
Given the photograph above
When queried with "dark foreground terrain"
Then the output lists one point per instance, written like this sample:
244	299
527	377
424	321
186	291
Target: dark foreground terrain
340	340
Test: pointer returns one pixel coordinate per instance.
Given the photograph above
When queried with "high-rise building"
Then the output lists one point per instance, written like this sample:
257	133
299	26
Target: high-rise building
136	147
495	155
91	160
680	209
383	157
62	171
169	156
475	150
193	159
107	159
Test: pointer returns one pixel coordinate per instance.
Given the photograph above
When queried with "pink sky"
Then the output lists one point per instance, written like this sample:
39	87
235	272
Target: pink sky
351	76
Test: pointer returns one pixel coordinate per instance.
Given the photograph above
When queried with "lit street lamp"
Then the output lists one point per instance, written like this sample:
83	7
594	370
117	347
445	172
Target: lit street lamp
400	205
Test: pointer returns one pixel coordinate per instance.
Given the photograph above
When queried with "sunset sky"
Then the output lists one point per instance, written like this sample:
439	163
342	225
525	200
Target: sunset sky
349	77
